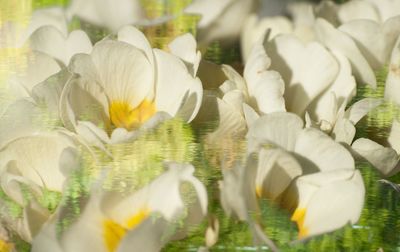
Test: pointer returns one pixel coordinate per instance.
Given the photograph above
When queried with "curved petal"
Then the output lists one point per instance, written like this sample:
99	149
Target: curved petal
185	47
255	29
39	67
38	158
328	156
384	159
288	55
374	40
51	41
54	16
323	195
276	170
394	136
124	71
19	119
106	13
357	9
337	40
265	87
361	108
171	89
135	37
392	86
344	131
387	8
343	88
280	129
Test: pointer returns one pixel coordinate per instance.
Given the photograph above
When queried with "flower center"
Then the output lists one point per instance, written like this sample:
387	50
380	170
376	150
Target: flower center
298	217
114	232
122	115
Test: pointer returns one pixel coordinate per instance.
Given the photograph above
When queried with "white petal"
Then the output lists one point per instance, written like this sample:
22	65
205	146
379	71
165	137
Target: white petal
280	129
185	47
392	86
223	19
288	55
328	156
171	89
250	114
106	13
265	87
255	30
38	158
39	67
375	41
276	170
46	240
382	158
394	136
357	9
151	236
361	108
208	9
236	78
386	8
334	195
124	71
336	40
344	131
51	41
19	120
135	37
47	16
343	88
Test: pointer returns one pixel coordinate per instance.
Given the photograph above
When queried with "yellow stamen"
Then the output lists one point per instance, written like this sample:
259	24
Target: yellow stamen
5	247
122	115
298	217
114	232
259	191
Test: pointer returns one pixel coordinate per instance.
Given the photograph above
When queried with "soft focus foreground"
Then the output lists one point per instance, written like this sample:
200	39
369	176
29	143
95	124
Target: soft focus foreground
121	131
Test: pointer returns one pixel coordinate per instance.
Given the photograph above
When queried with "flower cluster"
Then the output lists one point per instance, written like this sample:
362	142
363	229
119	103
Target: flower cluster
108	143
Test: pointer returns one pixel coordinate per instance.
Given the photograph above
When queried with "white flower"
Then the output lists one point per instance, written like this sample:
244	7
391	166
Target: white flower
107	13
122	84
144	219
323	195
302	169
220	20
31	167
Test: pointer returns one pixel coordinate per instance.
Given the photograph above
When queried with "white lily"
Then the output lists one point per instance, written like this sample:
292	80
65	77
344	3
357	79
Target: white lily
30	168
144	219
123	83
107	13
220	20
